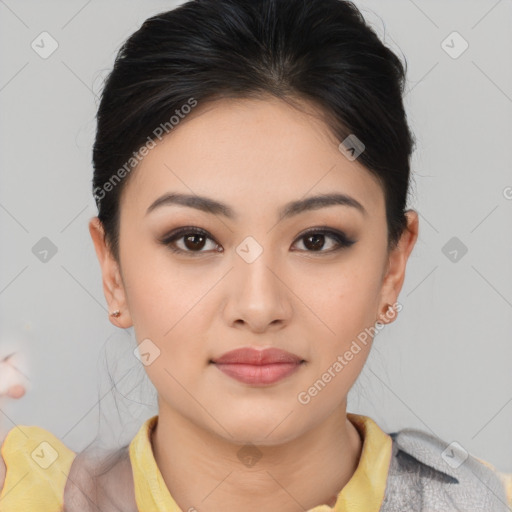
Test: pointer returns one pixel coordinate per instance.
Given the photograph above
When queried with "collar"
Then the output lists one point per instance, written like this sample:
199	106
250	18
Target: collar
151	493
432	451
364	492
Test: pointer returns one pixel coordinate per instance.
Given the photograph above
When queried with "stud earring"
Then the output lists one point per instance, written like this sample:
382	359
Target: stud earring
116	313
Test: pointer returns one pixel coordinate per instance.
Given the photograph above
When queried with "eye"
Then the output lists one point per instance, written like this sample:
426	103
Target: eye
193	240
315	240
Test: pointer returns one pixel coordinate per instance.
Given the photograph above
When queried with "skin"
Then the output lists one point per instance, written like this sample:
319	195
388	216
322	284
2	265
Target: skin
255	156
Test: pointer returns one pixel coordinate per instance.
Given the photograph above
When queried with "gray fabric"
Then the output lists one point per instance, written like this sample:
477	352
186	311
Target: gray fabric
422	479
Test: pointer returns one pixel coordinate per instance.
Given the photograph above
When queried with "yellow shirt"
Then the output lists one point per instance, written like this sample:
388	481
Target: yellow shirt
38	464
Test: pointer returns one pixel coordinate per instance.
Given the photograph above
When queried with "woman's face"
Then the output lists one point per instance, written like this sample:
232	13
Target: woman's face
260	273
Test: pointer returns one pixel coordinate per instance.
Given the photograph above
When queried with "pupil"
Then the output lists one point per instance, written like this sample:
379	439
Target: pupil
318	241
194	245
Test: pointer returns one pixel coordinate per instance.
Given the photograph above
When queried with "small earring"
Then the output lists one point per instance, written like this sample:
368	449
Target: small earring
116	313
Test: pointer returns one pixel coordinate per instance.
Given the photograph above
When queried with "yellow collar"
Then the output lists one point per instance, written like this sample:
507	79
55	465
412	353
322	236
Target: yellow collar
364	492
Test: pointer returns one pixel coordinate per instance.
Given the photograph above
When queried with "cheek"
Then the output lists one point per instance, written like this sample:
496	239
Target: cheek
349	301
347	307
170	304
159	293
357	299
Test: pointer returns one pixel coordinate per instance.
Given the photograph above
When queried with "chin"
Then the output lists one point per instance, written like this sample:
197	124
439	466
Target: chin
260	429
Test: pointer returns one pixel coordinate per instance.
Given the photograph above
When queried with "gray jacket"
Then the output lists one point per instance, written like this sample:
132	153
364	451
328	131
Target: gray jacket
428	475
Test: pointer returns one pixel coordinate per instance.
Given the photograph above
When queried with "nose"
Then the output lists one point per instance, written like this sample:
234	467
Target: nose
258	295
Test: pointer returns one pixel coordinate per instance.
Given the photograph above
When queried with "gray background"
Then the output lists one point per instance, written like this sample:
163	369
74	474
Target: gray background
444	366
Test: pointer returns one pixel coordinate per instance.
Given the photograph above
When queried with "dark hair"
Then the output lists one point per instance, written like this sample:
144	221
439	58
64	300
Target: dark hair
321	51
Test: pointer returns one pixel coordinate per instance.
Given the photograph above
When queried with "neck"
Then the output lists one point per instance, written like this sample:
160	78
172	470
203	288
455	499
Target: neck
206	472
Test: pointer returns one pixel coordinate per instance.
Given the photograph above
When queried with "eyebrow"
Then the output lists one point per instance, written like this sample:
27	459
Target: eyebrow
290	209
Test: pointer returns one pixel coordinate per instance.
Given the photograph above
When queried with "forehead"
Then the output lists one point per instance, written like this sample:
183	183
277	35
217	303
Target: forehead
251	152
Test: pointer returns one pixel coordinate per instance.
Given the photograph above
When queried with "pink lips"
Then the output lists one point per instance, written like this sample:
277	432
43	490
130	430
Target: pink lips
258	367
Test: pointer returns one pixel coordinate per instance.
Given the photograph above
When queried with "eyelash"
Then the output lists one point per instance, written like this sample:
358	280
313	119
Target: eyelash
340	238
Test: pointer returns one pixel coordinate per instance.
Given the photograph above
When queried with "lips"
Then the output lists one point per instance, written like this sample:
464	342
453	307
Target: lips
257	357
258	367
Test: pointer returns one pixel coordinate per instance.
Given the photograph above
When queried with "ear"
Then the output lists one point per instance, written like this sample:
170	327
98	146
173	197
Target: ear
113	286
394	274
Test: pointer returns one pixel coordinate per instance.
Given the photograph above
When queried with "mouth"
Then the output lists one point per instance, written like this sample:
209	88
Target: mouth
258	367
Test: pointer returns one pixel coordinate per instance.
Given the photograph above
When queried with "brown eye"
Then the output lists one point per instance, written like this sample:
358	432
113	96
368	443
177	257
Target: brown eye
316	240
192	240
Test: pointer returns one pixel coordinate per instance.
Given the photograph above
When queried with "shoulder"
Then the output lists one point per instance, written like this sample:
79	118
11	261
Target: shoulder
36	467
425	469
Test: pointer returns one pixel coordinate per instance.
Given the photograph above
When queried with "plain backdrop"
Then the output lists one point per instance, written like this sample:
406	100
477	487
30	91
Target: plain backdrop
444	366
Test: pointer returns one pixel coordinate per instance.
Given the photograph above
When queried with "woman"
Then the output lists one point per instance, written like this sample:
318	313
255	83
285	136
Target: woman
251	171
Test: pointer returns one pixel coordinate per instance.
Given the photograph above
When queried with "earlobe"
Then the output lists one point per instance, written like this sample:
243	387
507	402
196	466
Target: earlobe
388	314
113	287
397	262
